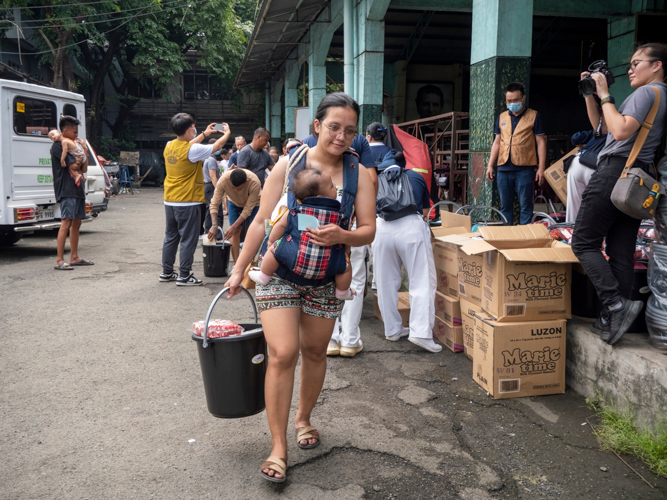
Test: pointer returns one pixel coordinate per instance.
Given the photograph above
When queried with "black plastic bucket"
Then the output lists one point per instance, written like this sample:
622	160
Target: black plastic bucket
233	368
216	259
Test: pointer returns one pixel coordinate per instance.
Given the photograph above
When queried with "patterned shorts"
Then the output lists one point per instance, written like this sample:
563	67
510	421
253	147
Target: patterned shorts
317	301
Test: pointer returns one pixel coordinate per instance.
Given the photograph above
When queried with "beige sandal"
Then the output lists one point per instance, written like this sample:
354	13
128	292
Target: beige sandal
308	432
275	464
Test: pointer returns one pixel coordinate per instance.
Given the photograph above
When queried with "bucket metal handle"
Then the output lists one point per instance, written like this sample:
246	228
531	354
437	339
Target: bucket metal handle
215	301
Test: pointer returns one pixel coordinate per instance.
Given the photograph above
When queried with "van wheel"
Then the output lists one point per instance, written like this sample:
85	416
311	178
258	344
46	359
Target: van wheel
8	239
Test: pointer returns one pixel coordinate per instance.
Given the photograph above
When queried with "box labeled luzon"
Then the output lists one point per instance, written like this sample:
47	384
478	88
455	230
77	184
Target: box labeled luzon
512	360
449	335
447	309
468	267
526	275
470	325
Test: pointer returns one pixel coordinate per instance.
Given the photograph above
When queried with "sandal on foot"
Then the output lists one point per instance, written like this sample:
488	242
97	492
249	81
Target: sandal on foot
63	266
308	432
277	465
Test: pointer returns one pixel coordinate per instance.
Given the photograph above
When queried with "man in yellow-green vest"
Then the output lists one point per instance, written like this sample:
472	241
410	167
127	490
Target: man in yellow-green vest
520	147
184	195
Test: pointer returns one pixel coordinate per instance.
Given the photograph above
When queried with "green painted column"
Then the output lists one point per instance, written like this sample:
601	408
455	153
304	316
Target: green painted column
276	112
620	47
292	72
370	60
501	47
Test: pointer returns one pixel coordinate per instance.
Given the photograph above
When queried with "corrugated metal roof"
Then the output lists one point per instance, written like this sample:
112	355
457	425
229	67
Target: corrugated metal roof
281	24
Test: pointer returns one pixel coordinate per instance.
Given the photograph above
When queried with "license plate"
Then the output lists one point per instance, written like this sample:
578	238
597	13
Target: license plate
45	214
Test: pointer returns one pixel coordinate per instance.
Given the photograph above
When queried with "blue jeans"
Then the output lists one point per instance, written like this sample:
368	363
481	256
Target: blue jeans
235	212
522	182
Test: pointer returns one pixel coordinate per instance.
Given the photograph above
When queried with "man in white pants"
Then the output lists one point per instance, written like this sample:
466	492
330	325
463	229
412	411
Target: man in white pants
404	238
578	177
346	339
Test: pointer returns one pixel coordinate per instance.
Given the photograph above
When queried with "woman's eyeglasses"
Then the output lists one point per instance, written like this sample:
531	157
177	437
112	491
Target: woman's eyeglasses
635	63
335	131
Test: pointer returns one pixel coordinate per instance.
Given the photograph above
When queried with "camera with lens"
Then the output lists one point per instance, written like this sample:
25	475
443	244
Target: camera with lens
587	84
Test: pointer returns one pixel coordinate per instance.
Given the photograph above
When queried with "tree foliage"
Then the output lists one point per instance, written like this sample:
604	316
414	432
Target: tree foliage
134	45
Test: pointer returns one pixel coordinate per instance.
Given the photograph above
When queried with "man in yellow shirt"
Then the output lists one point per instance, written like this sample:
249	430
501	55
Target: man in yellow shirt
242	189
184	195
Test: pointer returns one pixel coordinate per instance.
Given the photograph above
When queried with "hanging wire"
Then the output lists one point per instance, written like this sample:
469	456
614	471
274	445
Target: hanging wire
105	32
84	23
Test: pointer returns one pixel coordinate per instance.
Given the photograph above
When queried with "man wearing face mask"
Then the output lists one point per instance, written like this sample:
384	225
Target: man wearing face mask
519	148
184	195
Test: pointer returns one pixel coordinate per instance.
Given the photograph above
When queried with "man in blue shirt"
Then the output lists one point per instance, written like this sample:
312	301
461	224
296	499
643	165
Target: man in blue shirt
520	141
406	240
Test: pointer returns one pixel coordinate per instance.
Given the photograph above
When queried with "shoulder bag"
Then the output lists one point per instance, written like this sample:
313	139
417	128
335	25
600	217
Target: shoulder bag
636	193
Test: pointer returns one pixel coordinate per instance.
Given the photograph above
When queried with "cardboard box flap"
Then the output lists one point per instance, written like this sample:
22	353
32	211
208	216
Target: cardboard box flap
528	236
554	254
458	239
450	219
443	232
477	247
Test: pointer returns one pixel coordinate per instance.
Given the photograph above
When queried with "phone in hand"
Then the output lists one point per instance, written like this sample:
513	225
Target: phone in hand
219	127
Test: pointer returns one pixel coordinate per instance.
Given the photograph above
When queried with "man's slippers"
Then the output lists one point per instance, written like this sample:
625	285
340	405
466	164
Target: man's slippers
82	262
63	266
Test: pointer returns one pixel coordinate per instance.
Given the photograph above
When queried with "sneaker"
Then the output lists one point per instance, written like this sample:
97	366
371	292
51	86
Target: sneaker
164	277
188	281
601	326
350	352
621	319
256	275
333	349
403	333
427	344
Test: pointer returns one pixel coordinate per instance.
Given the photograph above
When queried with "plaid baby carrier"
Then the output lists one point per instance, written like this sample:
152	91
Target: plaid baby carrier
302	262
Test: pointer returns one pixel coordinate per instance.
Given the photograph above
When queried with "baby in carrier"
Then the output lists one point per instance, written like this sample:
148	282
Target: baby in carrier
309	183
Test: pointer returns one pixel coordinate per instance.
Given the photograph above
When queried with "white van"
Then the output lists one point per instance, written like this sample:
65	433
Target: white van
27	114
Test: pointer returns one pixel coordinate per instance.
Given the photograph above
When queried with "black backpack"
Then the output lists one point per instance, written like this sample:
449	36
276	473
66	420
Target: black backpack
395	198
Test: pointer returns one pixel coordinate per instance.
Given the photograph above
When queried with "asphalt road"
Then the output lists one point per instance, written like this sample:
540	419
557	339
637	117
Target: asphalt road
102	391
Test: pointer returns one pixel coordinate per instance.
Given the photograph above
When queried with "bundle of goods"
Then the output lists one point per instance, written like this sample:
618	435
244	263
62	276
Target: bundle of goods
656	307
217	328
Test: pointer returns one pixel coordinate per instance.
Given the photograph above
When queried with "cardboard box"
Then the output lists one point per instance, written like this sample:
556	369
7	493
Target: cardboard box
403	307
526	275
469	324
469	267
512	360
555	176
447	284
449	335
451	223
447	309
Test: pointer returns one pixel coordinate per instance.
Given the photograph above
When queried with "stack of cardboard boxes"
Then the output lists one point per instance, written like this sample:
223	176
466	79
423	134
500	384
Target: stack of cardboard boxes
448	328
514	290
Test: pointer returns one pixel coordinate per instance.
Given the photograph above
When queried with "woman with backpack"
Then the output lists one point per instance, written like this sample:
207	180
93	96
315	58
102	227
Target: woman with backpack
299	318
404	238
598	218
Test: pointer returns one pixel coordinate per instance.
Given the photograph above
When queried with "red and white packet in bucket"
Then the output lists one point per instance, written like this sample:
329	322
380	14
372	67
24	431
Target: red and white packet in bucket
217	328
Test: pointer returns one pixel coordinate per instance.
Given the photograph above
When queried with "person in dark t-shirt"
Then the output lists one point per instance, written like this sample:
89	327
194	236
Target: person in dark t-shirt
254	157
72	198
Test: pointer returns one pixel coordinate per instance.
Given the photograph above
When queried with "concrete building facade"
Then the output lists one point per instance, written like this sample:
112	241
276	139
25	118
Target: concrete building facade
469	49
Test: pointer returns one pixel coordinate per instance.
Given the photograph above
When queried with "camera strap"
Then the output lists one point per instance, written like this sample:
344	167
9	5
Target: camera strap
598	130
643	132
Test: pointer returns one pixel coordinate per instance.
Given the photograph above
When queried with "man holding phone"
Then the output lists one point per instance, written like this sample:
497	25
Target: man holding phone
184	195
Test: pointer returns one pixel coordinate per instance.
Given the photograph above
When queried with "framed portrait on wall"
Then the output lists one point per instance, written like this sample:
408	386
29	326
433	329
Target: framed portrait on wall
424	99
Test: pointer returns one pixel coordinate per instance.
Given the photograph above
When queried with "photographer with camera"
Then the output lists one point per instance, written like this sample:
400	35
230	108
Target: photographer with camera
598	217
520	147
